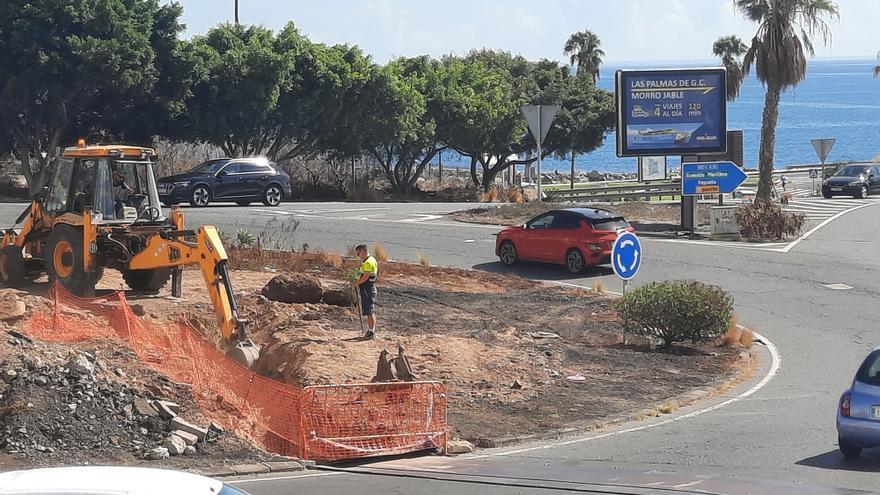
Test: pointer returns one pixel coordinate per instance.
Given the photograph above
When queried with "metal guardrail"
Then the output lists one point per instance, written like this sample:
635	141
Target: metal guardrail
612	193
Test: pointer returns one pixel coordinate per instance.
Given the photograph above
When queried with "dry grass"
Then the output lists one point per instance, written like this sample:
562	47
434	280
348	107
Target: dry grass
515	195
490	196
330	259
256	258
746	338
350	252
599	287
379	251
732	336
423	260
668	407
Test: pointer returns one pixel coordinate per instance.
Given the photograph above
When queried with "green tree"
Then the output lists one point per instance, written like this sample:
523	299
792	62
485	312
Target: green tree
285	95
584	49
731	49
778	52
401	132
66	66
480	112
235	96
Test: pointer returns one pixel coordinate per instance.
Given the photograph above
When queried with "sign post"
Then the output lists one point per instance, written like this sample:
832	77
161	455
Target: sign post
626	257
540	119
823	148
813	176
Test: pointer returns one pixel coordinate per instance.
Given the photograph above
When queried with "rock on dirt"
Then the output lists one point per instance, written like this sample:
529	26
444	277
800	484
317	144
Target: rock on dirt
11	307
294	288
79	364
459	447
174	444
157	454
338	296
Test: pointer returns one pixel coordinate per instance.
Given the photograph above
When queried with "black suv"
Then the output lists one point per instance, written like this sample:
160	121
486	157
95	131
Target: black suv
242	180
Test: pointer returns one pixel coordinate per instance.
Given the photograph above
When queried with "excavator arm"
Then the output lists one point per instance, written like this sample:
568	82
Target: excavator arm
173	248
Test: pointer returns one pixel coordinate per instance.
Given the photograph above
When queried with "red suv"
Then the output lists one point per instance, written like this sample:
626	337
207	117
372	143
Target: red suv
574	237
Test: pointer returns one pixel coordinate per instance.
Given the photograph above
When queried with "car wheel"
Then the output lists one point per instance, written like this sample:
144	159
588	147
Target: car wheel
272	195
507	253
201	196
574	261
827	195
847	449
242	203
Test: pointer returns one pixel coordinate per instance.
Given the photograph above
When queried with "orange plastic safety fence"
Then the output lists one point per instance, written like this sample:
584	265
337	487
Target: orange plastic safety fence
323	423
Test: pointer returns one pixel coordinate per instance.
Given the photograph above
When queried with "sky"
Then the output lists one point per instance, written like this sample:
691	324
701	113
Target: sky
631	30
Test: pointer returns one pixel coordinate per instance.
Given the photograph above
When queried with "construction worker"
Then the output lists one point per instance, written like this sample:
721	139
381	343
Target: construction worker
366	285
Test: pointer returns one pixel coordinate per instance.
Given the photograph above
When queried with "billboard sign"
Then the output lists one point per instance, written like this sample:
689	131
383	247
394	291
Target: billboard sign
671	111
652	168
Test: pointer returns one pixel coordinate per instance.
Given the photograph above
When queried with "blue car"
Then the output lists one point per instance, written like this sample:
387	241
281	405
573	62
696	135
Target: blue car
858	414
239	180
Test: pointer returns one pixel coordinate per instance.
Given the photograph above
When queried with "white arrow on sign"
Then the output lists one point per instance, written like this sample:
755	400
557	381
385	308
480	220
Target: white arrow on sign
635	262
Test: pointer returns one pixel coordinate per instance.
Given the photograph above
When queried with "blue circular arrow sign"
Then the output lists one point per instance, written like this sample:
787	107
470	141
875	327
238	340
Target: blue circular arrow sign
626	255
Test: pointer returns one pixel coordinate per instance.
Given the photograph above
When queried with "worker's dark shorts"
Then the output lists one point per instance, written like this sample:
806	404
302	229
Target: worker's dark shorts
368	298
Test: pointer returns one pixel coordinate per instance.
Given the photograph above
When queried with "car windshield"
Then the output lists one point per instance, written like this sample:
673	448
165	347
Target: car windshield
852	172
208	167
869	372
611	224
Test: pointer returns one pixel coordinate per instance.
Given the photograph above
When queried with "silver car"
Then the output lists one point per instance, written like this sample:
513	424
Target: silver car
858	413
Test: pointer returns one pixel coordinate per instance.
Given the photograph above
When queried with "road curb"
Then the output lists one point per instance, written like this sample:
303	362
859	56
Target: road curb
718	386
288	465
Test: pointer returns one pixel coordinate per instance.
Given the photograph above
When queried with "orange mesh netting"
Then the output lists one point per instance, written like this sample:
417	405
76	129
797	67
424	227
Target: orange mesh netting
323	423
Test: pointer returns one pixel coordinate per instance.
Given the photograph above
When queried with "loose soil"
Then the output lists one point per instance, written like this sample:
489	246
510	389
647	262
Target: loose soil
643	216
503	345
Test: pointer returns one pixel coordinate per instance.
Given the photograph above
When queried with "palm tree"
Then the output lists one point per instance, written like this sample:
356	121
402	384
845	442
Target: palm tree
584	49
585	52
778	53
730	49
236	12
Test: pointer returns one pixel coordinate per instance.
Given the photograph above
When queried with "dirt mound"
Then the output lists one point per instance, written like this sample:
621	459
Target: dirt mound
294	288
339	296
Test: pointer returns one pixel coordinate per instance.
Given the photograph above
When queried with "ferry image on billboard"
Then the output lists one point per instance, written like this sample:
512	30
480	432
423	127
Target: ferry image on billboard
652	135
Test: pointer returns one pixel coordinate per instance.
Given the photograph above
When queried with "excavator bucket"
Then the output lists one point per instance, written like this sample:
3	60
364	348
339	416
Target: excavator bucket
245	353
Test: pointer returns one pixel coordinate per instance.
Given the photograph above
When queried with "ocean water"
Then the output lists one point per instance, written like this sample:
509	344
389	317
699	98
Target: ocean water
840	99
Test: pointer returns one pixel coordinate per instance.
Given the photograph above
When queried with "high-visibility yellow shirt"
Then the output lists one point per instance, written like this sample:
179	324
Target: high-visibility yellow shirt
371	266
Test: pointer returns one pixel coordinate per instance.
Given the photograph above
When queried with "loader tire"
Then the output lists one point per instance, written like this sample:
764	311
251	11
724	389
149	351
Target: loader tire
150	280
12	267
64	262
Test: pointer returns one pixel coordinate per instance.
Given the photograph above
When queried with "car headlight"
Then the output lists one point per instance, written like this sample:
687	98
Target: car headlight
594	247
182	183
855	183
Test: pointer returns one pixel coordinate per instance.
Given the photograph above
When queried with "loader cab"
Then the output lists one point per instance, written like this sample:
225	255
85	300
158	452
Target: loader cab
116	182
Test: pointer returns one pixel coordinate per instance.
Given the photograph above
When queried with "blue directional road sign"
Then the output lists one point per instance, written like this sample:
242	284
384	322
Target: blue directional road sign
626	255
710	178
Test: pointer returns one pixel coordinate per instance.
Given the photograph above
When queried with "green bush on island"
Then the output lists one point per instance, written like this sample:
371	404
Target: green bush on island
676	311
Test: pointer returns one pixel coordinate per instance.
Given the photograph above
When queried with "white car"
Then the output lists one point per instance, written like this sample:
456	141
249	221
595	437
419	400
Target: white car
110	480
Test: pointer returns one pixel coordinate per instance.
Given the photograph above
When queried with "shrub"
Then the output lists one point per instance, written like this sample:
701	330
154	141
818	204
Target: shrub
767	221
244	238
676	311
515	195
379	252
423	260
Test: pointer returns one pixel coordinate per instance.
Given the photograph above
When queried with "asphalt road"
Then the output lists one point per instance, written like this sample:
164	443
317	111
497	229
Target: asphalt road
784	432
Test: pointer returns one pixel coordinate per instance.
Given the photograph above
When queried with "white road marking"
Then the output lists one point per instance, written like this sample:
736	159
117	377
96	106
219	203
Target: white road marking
422	218
468	241
278	478
837	286
776	360
815	229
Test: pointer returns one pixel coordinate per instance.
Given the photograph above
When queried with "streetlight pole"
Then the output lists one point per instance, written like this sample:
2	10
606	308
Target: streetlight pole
236	12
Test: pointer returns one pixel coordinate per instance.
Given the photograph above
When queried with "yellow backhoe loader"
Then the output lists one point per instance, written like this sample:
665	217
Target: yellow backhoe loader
100	209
